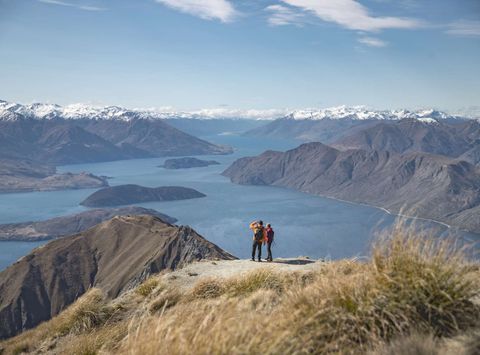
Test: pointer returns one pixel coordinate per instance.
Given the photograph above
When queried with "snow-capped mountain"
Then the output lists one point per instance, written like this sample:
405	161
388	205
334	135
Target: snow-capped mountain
362	113
82	134
75	111
12	111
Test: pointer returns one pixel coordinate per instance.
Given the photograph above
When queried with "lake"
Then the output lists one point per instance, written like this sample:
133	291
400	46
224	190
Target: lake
305	225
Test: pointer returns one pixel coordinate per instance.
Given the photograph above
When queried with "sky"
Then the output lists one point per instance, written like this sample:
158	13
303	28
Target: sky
193	54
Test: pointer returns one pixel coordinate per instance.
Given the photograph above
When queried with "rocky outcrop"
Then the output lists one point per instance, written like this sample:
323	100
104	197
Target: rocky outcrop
186	163
67	225
418	184
25	176
130	194
114	256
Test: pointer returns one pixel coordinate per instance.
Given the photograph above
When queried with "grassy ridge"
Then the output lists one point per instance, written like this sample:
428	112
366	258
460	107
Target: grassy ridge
415	295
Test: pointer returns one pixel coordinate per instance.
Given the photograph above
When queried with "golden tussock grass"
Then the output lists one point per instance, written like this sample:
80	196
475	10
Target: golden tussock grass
412	284
416	295
88	313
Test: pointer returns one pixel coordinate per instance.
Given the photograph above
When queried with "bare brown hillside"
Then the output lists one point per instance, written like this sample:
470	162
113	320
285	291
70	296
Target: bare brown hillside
114	256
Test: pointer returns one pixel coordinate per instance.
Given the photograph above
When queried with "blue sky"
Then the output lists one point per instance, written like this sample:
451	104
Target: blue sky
191	54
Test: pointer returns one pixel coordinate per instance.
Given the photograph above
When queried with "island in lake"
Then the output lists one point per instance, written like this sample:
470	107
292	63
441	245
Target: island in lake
130	194
186	163
26	176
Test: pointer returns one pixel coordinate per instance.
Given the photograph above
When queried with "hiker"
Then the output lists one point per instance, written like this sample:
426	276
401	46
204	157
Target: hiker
258	238
269	240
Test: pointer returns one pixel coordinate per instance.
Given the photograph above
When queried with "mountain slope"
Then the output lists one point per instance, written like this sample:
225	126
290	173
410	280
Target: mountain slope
56	142
410	135
326	130
331	124
68	225
153	136
418	184
50	133
113	256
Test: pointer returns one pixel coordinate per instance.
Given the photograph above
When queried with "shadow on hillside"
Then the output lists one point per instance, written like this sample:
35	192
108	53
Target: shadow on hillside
293	261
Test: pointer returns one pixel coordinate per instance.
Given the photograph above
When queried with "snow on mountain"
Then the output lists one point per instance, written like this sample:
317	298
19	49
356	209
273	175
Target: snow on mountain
363	113
13	111
81	111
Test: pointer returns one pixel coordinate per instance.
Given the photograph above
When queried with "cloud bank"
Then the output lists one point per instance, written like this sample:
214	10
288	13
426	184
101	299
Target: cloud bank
221	10
352	15
282	15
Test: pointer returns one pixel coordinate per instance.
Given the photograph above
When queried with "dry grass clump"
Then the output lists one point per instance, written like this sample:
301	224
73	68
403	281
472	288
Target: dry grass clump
434	276
254	281
208	288
91	343
244	285
167	298
412	284
147	287
88	313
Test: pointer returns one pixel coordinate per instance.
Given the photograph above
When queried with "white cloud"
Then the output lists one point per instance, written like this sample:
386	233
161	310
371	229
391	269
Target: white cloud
464	28
77	6
352	15
221	10
282	15
372	42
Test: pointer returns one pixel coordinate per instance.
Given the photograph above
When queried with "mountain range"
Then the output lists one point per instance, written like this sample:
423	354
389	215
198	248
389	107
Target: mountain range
460	139
51	134
417	184
330	125
114	256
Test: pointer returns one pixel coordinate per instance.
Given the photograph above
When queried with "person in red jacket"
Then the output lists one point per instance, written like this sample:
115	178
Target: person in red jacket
269	240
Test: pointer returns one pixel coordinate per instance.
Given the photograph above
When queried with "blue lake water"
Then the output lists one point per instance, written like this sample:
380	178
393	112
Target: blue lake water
304	224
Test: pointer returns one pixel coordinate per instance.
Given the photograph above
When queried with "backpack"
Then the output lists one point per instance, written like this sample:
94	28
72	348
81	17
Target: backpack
258	236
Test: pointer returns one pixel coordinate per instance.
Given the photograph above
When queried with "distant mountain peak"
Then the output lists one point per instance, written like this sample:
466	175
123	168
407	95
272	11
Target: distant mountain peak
12	111
363	113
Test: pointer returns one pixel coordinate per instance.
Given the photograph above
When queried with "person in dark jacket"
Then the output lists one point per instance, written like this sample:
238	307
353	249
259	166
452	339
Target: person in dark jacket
259	237
269	240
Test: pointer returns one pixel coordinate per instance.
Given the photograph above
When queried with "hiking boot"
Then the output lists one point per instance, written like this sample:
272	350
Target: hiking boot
259	260
253	259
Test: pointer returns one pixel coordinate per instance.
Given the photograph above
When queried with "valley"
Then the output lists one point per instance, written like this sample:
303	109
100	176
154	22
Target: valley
306	224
